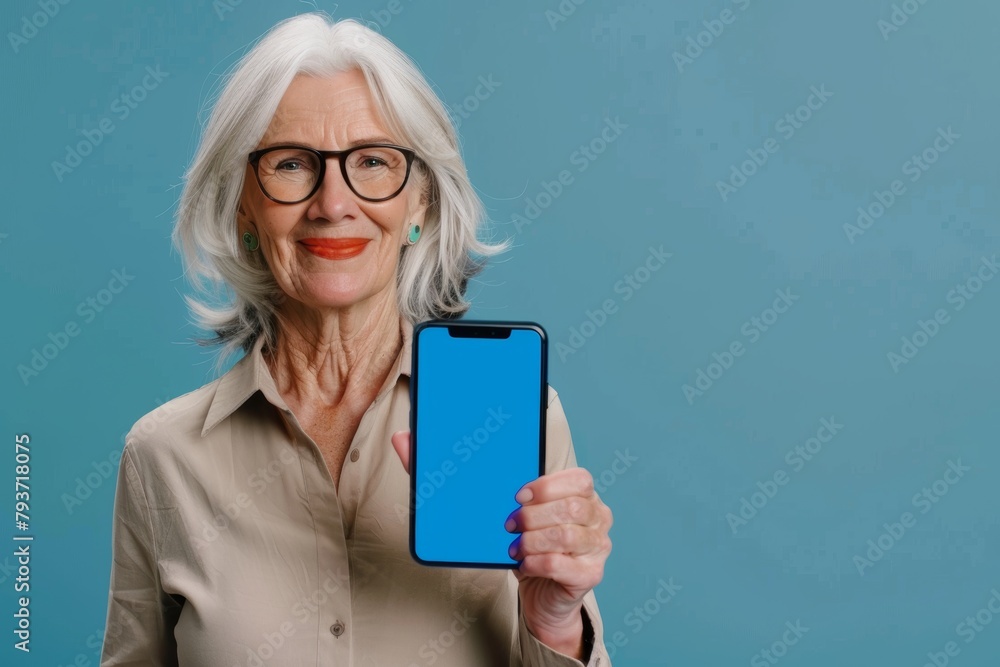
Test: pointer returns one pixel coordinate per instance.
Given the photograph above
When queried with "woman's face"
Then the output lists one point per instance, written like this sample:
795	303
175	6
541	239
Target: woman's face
332	113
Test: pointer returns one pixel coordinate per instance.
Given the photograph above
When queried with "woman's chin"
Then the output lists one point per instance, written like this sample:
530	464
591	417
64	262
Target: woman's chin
332	294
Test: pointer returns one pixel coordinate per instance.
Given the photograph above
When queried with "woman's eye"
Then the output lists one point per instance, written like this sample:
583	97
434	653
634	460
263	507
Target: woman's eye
289	165
372	162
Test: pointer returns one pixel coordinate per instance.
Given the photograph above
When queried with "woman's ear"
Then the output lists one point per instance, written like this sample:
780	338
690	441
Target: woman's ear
243	222
417	203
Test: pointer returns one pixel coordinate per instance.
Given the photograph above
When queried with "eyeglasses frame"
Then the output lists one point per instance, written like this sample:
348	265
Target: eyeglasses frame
254	160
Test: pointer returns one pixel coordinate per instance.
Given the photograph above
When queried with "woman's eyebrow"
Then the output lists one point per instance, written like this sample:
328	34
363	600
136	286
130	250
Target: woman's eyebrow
378	139
372	140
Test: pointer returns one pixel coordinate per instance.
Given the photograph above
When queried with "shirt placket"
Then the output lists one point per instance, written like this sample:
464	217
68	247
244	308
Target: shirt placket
356	462
332	581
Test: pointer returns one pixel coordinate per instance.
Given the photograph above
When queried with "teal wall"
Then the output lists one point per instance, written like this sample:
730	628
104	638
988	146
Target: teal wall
774	389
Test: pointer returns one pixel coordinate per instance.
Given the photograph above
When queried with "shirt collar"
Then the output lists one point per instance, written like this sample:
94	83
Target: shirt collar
251	374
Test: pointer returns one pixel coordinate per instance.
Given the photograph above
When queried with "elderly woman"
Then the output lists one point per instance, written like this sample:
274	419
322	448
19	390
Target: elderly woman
264	519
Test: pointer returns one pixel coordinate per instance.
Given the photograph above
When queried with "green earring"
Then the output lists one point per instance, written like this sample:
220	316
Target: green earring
414	233
250	241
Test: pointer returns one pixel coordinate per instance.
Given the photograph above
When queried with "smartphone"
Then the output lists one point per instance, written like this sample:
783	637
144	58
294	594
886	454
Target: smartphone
477	435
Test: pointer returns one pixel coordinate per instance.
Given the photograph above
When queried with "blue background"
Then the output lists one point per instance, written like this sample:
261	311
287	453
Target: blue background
672	468
477	437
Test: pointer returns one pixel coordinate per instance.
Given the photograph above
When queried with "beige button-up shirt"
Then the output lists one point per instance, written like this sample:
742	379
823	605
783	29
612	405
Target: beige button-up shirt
233	548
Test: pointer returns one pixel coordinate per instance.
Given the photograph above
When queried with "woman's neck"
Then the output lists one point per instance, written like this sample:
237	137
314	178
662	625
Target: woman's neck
333	359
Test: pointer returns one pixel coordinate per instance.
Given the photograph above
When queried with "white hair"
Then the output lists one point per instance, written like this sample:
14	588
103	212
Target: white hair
432	275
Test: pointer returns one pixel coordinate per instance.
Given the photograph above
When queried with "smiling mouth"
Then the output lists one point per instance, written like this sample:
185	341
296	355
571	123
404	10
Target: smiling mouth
335	248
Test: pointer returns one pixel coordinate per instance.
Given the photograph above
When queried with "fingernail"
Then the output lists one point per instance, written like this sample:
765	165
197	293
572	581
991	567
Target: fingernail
512	551
510	525
524	496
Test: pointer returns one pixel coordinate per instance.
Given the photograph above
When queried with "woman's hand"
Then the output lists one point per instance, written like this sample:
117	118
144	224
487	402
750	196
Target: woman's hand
563	545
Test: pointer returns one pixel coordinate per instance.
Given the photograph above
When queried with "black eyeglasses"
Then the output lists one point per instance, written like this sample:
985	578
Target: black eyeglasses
291	174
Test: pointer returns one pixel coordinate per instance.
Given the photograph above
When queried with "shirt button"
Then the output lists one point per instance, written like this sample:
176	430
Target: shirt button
355	455
337	629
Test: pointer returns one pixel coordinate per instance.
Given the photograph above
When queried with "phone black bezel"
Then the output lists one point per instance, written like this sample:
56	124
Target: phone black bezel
490	329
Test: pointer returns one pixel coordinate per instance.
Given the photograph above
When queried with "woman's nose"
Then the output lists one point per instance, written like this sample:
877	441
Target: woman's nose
334	198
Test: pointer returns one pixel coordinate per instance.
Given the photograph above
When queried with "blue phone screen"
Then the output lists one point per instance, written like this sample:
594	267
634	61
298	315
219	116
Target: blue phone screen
478	405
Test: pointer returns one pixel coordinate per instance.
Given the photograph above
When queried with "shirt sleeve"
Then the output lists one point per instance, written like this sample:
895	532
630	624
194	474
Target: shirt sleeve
559	455
141	616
